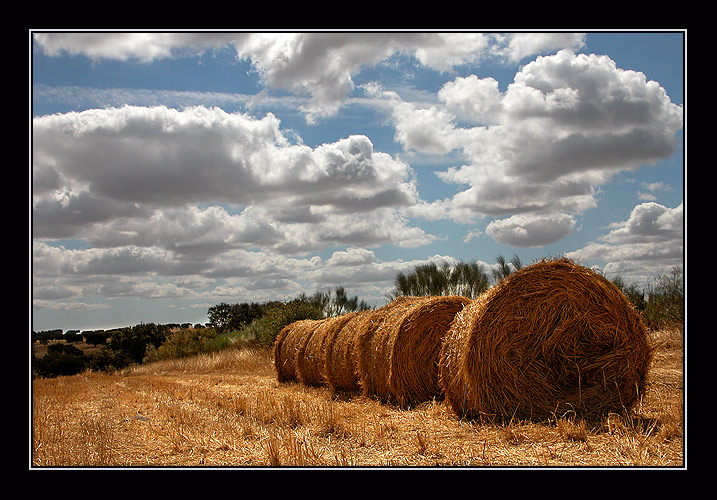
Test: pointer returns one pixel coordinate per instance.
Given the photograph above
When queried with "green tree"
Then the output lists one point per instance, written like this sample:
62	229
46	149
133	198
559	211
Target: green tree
60	359
96	337
105	359
133	341
227	317
183	343
467	279
634	294
504	268
337	304
265	329
220	316
73	336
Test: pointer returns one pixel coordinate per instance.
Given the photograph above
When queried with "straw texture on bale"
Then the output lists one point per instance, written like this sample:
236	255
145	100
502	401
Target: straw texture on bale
405	349
373	369
311	356
288	342
341	364
551	338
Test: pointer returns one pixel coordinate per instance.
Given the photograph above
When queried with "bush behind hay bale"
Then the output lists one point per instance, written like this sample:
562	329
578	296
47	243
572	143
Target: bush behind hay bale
551	338
288	342
408	344
341	363
311	357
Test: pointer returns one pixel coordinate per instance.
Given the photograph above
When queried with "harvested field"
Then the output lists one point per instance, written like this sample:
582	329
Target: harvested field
228	410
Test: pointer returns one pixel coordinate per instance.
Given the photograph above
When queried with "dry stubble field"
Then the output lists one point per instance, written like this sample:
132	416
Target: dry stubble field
228	410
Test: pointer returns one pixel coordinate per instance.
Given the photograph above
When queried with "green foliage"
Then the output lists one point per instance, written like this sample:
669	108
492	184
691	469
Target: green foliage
264	330
107	360
60	359
504	268
632	292
665	303
73	336
662	305
134	341
227	317
467	279
45	336
96	337
335	305
187	342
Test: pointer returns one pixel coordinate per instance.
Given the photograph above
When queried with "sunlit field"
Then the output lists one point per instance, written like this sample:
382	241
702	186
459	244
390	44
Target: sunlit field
227	409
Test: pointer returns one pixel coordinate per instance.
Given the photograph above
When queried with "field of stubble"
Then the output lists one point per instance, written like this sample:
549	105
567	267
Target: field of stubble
227	410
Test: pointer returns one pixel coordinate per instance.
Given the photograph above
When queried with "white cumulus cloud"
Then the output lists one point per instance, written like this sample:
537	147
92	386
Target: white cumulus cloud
562	129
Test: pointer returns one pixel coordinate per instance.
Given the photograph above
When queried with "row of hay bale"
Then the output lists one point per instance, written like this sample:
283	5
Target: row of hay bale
390	353
551	338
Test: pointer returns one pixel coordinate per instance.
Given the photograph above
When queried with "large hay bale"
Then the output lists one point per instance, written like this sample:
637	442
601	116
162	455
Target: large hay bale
551	338
311	357
288	342
341	364
406	348
373	359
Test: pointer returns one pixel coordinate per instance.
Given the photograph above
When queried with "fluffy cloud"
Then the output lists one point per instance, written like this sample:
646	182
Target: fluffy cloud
649	223
209	205
565	125
527	231
140	175
645	245
320	65
170	200
522	45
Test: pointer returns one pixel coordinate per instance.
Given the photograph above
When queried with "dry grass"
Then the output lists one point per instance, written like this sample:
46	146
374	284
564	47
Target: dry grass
229	410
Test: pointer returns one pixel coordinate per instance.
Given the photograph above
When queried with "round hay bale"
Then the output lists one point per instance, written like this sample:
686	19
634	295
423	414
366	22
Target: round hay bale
311	357
408	344
372	360
450	358
551	338
341	366
288	342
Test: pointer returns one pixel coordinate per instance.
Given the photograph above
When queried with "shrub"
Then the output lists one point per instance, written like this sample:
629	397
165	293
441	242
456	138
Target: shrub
107	360
665	303
189	342
60	359
133	341
264	330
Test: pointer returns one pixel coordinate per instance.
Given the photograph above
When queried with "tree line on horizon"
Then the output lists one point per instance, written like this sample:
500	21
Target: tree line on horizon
251	323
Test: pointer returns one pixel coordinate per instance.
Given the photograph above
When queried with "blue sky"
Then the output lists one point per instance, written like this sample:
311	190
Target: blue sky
175	171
